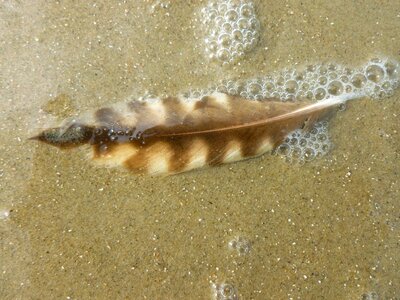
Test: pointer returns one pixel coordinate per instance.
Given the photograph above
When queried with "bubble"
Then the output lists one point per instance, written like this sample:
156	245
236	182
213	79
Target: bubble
280	81
309	95
311	68
386	85
332	76
254	25
332	67
237	35
212	46
323	70
313	132
227	291
223	54
232	91
255	88
291	86
222	6
391	69
309	154
348	89
298	76
224	291
325	148
239	85
320	94
335	88
212	13
243	23
293	141
239	48
247	47
269	86
305	86
323	80
246	10
322	137
224	40
219	21
231	15
283	150
297	153
375	73
358	80
227	27
241	245
303	142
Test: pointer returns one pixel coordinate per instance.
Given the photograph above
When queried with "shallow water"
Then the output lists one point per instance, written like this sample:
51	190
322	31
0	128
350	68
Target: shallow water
326	229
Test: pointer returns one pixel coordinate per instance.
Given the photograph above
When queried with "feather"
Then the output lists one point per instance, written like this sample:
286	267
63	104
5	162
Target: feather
173	135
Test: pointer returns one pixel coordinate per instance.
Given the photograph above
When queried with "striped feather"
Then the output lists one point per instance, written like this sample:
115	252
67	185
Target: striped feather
173	135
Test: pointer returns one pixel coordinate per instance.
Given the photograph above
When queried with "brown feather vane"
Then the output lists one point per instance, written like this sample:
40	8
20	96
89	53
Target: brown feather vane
173	135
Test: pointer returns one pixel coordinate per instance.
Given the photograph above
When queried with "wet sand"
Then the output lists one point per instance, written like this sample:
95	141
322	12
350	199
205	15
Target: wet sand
327	229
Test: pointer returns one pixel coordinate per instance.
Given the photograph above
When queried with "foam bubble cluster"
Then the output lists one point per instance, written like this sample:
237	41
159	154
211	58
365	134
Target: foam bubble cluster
224	291
232	29
301	146
377	79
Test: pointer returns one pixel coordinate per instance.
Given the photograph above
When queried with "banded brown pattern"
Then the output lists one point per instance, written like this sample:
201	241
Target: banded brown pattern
173	135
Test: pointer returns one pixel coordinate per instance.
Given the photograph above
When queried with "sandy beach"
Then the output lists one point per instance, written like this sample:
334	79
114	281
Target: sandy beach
326	229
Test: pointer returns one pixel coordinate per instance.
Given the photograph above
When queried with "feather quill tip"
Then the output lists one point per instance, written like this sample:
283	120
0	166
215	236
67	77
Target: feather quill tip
65	137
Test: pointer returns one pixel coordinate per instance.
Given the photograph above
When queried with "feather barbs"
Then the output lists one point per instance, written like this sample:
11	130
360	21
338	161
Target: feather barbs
173	135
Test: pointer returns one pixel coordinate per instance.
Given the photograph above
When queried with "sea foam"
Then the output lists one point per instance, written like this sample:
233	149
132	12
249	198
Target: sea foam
376	79
231	29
